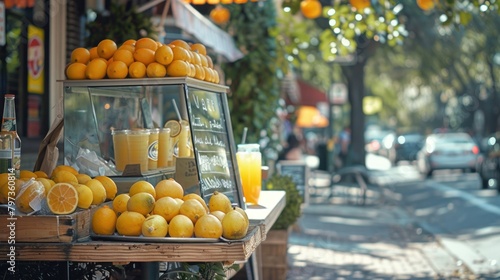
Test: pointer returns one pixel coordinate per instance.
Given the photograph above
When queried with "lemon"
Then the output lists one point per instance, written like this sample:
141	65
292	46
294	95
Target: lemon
155	226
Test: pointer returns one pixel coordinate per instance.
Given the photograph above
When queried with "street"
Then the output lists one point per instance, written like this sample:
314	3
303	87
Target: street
443	227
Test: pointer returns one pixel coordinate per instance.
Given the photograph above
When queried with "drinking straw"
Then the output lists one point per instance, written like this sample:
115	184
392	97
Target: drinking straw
244	138
176	110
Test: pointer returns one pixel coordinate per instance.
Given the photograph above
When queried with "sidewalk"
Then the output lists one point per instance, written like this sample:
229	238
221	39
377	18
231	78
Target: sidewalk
339	238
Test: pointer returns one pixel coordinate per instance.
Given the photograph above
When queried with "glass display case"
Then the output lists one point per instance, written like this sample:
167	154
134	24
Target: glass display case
191	114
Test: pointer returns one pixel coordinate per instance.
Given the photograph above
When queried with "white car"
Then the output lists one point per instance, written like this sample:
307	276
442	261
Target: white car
451	150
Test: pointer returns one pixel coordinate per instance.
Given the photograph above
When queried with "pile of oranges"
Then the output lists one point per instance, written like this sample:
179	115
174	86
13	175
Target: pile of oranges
163	210
61	193
142	58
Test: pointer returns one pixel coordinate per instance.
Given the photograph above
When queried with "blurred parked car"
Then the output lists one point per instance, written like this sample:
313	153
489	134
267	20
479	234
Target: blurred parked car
448	151
407	146
488	165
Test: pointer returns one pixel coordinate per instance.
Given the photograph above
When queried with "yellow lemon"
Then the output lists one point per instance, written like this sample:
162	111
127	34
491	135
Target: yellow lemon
76	71
26	174
81	55
141	203
146	43
197	197
82	178
109	185
85	196
62	199
96	69
64	176
142	186
144	55
98	191
124	55
104	221
234	225
164	55
166	207
156	70
106	48
137	70
130	223
181	226
169	187
41	174
219	201
28	193
117	70
155	226
120	203
193	209
178	68
208	226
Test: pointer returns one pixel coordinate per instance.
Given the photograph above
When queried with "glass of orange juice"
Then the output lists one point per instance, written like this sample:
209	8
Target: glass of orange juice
120	146
165	148
138	142
249	161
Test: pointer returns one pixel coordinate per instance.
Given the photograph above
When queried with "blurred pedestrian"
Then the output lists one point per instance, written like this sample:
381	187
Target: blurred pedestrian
344	141
292	150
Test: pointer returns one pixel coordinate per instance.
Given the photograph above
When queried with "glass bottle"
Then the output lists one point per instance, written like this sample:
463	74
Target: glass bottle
10	146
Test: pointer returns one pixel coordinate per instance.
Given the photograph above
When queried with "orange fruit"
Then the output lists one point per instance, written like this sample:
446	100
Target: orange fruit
142	202
199	48
93	53
147	43
142	186
62	198
144	55
85	196
174	126
27	194
26	174
220	15
98	191
311	8
361	4
124	55
104	221
106	48
130	42
180	53
178	68
129	48
156	70
164	55
7	191
166	207
180	226
81	55
41	174
208	226
117	70
169	187
120	203
96	69
193	209
155	226
137	70
109	185
181	43
76	71
130	223
64	176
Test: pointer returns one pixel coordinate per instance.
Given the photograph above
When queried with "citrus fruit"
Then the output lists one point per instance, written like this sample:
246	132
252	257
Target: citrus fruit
29	193
169	187
142	186
197	197
200	72
142	202
180	226
9	191
156	70
106	48
234	225
178	68
41	174
166	207
68	168
130	223
85	196
137	70
193	209
120	203
81	55
243	213
130	42
93	53
219	201
26	174
196	58
155	226
47	183
82	178
144	55
220	15
199	48
98	191
64	176
311	8
208	226
62	198
192	70
96	69
219	214
117	70
104	221
175	127
76	71
147	43
124	55
164	55
129	48
109	185
210	62
361	4
180	43
180	53
204	60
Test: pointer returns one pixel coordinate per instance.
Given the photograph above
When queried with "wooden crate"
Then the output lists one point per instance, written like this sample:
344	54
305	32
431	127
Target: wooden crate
274	252
47	228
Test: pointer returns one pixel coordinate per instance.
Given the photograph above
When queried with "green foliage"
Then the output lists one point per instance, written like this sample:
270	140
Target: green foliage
119	24
254	78
292	210
199	271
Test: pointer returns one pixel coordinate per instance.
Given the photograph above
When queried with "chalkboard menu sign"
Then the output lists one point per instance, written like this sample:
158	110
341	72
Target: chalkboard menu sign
299	172
213	143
